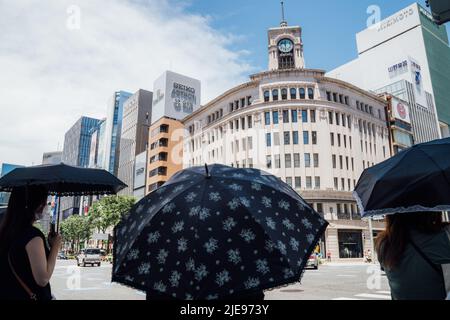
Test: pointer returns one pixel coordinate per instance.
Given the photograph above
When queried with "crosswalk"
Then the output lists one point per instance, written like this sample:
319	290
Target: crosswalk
377	295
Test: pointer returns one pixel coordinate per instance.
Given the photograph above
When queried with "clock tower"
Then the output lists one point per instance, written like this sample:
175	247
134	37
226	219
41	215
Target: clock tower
285	46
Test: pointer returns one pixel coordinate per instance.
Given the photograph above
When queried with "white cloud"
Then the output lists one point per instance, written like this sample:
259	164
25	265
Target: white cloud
50	74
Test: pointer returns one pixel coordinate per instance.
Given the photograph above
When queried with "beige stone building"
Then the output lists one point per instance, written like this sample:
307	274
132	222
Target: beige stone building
315	133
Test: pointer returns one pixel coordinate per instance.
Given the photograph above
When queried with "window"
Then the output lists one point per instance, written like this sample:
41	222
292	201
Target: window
379	114
243	123
314	137
289	181
250	143
163	142
275	95
333	158
236	124
328	95
335	98
237	146
266	116
311	93
164	128
330	117
285	116
343	120
295	137
341	98
244	145
346	162
312	114
284	94
341	164
293	92
298	182
304	116
294	116
337	119
287	161
339	139
305	137
308	182
349	184
371	110
350	141
249	101
296	160
357	105
268	140
319	207
349	122
269	162
336	187
307	160
266	96
275	117
250	162
343	184
302	93
287	138
317	182
276	138
316	160
353	165
277	161
249	122
332	138
345	141
346	101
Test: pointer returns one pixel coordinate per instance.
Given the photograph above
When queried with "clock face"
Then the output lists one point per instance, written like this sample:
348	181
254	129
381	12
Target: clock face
285	45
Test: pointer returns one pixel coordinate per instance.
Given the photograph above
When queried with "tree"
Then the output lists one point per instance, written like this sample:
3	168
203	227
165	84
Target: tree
108	212
76	229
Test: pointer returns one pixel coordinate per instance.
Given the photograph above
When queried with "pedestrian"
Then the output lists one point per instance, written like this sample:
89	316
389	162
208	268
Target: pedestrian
26	262
329	256
412	250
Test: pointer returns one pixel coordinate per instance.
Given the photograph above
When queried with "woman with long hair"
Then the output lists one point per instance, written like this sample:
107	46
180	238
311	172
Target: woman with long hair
412	250
26	262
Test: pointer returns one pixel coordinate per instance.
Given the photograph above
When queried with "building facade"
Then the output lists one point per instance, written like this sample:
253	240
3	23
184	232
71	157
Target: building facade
314	132
113	130
97	155
134	136
77	143
165	152
408	56
5	169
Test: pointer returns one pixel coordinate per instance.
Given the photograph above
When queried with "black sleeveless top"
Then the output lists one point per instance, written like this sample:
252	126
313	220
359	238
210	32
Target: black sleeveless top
10	288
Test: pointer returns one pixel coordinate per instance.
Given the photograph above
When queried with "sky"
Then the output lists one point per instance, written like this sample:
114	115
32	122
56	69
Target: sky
63	59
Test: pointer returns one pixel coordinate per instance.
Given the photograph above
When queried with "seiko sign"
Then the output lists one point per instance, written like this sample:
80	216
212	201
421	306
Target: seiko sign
184	98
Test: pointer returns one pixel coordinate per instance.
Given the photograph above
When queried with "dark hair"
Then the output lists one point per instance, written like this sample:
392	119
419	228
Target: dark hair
392	242
21	213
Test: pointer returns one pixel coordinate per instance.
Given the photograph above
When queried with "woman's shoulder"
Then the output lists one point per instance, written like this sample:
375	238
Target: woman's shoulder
30	233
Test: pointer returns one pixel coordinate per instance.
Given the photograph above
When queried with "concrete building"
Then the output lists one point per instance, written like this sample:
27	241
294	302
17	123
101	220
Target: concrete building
76	152
314	132
52	157
408	56
165	152
113	130
134	136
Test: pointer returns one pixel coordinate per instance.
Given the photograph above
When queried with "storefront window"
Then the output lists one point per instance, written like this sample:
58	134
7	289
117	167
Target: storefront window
350	244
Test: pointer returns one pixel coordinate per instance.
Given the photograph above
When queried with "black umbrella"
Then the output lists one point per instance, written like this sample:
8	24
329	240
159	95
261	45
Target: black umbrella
207	235
63	180
417	179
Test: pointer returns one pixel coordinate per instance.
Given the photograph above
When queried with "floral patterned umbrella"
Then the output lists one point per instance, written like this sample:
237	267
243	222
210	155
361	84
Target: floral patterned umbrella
208	234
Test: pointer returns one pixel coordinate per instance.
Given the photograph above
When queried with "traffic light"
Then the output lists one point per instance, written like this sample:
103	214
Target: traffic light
440	10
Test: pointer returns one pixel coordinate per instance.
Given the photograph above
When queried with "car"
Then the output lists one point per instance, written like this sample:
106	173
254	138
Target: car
313	262
62	256
90	256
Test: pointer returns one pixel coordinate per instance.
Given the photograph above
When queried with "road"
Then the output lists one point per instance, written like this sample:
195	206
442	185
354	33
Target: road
330	282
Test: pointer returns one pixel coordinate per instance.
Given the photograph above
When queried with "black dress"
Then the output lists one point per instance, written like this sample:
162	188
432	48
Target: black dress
10	289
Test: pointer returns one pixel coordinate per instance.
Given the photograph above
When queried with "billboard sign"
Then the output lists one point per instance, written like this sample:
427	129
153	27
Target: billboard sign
140	169
400	110
175	96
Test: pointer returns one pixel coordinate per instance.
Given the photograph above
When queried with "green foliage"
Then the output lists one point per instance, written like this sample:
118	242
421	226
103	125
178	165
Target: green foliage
108	211
76	229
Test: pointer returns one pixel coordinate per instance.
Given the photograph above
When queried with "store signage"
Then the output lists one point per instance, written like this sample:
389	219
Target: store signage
183	97
398	69
400	110
403	15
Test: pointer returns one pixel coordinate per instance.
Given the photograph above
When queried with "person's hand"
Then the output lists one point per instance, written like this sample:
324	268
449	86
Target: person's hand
54	240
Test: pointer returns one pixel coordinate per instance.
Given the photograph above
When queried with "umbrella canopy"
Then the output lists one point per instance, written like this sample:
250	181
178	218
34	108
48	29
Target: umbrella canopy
417	179
207	234
63	180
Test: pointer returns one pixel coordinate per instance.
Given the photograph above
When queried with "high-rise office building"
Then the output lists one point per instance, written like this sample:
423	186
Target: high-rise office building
76	151
136	121
113	130
408	56
54	157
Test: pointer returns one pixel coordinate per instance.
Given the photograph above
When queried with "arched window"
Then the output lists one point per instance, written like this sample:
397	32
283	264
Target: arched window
302	93
293	93
284	94
266	96
275	95
311	93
